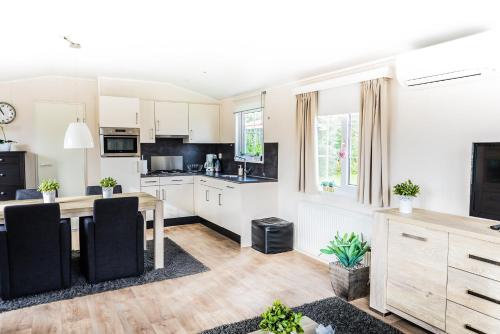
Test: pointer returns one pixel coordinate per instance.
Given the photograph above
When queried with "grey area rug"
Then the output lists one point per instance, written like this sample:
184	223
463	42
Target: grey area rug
331	311
178	263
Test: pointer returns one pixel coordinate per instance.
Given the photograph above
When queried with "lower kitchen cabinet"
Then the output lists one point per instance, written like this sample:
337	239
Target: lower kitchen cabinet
177	200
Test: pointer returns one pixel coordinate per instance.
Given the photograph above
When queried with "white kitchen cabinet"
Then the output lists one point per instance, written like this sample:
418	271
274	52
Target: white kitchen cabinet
177	200
172	118
203	123
231	204
119	112
125	170
147	121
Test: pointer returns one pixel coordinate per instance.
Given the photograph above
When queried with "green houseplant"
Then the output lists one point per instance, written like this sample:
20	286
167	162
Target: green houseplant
48	188
5	144
406	191
280	319
349	277
107	184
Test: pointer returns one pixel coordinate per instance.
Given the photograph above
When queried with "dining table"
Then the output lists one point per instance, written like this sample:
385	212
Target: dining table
82	206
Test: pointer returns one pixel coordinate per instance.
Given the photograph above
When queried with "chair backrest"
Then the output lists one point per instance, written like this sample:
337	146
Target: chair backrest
97	190
34	247
116	225
29	194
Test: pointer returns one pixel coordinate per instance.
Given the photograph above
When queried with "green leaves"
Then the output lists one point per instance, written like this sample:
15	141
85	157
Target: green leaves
406	189
279	319
349	249
48	185
108	182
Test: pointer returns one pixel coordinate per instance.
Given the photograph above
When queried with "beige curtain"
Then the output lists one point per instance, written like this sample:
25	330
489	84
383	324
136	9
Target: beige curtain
374	140
307	110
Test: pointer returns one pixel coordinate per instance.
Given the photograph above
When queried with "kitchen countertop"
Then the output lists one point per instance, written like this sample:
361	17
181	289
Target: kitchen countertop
224	177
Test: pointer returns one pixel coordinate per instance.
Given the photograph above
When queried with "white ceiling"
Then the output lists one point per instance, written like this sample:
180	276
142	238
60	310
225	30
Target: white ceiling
222	48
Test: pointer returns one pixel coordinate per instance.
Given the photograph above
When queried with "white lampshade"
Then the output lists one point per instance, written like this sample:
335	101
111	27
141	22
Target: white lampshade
78	136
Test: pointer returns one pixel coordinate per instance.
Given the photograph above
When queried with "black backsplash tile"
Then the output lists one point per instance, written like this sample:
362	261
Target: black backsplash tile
195	154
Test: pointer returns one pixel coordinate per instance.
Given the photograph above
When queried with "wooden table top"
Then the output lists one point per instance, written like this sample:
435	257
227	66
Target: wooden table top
83	205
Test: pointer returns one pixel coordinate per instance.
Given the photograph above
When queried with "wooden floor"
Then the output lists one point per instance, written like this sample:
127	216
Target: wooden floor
240	284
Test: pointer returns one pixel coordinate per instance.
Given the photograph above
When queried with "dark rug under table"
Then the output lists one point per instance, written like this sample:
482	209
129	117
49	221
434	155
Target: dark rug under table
178	263
347	318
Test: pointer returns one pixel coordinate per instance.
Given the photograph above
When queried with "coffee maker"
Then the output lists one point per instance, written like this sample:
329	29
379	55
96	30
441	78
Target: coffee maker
210	163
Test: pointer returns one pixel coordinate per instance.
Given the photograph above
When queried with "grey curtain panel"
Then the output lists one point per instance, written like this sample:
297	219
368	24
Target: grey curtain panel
373	186
307	110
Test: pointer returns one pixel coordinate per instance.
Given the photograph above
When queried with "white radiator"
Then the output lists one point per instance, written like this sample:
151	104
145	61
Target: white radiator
317	224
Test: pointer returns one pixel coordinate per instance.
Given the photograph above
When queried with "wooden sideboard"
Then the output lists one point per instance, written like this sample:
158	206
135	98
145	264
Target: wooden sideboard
437	270
12	174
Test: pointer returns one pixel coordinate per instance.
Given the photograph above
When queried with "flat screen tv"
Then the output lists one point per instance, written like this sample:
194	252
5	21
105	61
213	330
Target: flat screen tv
485	185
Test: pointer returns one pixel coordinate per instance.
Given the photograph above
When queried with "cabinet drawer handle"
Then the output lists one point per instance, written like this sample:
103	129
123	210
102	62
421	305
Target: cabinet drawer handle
406	235
472	329
203	181
479	295
177	180
150	181
220	204
229	187
206	195
163	193
482	259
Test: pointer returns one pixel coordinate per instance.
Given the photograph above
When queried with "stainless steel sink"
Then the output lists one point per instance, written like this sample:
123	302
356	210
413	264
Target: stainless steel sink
229	176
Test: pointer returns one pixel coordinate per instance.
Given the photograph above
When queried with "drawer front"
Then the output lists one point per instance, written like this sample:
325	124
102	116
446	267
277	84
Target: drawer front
475	292
8	193
176	180
475	256
10	174
9	159
462	320
150	181
417	272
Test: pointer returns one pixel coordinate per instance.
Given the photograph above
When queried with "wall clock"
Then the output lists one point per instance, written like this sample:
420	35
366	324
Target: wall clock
7	113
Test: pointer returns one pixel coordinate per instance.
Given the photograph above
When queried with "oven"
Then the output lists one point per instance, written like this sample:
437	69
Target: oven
120	142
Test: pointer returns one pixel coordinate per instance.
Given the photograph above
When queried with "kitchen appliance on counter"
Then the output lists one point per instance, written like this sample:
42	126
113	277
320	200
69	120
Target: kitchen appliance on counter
210	163
119	142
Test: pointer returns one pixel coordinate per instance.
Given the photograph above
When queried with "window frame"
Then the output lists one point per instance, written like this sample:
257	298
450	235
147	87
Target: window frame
345	188
240	140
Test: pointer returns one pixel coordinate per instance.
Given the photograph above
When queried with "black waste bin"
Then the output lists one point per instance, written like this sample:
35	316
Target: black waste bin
272	235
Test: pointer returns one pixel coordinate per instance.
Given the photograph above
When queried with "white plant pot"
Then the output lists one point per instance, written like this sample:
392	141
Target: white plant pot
49	196
5	147
405	204
107	192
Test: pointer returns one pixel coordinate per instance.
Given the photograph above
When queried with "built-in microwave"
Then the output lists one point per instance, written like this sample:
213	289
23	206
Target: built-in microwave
120	142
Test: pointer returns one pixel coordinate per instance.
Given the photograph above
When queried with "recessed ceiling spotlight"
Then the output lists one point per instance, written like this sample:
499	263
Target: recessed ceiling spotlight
72	44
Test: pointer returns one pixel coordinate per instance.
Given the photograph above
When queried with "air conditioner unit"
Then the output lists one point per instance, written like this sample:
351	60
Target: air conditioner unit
472	56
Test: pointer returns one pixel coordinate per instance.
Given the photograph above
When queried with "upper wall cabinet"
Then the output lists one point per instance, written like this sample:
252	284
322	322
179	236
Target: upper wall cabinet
172	118
203	123
120	112
147	121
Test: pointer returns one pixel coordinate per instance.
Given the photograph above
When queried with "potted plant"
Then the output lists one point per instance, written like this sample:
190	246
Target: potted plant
279	319
348	275
324	185
48	188
331	186
107	184
406	192
5	144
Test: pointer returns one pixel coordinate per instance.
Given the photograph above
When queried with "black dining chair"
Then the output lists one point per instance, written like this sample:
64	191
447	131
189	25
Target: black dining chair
29	194
35	250
112	241
97	190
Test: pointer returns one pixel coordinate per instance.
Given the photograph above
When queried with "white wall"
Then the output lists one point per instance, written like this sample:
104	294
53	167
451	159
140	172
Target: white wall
431	134
23	94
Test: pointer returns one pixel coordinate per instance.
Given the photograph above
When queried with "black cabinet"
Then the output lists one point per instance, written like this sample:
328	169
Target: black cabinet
12	174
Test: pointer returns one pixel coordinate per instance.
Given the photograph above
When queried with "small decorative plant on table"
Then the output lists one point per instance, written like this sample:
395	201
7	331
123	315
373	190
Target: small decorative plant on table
5	144
349	276
48	188
279	319
107	184
406	192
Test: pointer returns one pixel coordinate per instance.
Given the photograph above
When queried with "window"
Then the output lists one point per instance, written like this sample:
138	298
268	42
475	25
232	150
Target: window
249	124
338	137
